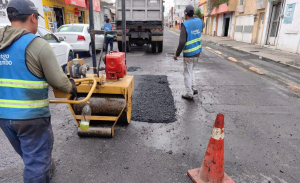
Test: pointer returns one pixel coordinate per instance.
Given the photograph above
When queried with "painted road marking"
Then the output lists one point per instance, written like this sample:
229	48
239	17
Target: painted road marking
218	52
209	48
294	88
256	70
232	59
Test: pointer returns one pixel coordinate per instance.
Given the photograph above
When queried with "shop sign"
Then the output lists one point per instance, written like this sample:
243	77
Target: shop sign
76	11
96	5
80	3
289	13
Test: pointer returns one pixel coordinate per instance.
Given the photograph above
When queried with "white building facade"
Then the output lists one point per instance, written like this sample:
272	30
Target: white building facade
283	25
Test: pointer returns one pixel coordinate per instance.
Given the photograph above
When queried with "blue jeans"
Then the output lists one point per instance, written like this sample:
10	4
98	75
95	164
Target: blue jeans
109	41
33	141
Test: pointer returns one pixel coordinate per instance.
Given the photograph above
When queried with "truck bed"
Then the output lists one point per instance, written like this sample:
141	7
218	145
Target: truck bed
140	10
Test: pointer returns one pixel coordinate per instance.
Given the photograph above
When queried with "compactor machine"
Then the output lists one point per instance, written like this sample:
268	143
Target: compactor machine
110	94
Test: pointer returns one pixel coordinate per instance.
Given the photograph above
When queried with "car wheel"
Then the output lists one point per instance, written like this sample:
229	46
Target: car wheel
90	52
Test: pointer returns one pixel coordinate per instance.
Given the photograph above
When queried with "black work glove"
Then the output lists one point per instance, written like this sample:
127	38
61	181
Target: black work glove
74	89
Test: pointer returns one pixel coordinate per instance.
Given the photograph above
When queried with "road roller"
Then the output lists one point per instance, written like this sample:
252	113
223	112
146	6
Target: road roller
109	94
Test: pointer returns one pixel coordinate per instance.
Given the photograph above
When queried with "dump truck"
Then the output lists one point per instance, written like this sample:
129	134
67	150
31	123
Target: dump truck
144	24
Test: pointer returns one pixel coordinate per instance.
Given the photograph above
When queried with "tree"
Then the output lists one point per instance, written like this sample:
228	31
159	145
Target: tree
198	12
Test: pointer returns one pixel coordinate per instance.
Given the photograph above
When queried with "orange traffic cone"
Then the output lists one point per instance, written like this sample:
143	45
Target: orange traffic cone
212	169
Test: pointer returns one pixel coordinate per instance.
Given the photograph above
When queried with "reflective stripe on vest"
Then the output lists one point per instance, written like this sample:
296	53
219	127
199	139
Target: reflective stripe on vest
193	41
192	49
109	36
24	103
23	84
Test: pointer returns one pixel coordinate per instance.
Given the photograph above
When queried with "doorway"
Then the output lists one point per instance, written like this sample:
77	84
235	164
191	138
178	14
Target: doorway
227	21
59	16
260	28
81	17
274	23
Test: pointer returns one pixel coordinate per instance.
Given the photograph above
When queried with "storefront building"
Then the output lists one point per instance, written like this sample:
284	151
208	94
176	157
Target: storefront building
60	12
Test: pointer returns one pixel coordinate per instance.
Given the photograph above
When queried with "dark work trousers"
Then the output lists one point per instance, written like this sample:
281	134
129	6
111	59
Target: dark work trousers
111	42
33	141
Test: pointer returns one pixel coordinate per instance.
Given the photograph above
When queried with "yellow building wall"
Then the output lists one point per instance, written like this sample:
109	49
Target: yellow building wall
205	14
69	15
250	9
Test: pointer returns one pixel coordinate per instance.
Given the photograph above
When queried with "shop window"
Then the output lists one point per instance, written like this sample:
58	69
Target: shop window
50	15
72	18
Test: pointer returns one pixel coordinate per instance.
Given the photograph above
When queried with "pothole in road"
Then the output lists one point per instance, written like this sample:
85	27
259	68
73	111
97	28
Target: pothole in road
152	99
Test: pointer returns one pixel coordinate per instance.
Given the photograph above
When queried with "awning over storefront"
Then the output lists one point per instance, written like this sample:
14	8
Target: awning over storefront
80	3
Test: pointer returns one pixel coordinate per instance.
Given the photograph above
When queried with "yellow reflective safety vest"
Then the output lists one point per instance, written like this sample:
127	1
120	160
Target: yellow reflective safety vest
22	95
193	45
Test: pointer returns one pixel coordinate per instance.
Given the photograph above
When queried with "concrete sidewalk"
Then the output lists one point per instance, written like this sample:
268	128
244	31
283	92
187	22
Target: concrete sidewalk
279	56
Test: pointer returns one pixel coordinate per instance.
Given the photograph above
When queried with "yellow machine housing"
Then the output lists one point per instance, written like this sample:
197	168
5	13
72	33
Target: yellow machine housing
111	102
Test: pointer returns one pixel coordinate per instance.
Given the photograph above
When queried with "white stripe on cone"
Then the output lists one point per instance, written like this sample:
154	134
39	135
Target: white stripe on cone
217	133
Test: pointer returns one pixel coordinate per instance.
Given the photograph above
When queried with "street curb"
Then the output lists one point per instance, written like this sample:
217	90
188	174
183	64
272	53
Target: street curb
296	89
263	58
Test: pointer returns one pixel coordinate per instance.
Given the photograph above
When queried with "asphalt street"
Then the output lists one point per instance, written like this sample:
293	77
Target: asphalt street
261	126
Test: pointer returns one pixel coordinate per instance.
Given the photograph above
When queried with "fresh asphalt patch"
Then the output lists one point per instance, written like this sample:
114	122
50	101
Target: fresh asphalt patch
153	101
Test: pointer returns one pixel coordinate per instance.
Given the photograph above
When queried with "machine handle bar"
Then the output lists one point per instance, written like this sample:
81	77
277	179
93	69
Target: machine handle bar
83	100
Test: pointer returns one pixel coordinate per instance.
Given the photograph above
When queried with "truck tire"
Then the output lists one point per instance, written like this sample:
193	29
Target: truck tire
160	46
120	46
128	47
153	46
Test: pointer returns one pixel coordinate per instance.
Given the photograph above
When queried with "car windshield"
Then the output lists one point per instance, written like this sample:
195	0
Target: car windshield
71	28
47	35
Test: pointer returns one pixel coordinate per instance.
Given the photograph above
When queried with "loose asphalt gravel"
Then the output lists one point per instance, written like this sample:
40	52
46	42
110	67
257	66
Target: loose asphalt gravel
153	100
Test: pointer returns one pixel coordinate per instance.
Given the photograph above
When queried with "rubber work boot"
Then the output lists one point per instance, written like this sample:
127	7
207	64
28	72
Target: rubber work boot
187	97
195	92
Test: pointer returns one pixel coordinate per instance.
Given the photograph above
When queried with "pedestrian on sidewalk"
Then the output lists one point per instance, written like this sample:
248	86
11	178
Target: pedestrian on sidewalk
109	38
190	44
28	66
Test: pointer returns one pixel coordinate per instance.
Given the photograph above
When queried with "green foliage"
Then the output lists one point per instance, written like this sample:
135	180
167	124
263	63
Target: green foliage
198	12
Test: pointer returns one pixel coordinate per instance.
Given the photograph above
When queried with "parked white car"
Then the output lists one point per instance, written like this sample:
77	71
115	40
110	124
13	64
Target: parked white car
63	51
79	37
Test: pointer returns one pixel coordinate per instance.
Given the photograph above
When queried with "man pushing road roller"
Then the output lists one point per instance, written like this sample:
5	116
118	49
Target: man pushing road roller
28	66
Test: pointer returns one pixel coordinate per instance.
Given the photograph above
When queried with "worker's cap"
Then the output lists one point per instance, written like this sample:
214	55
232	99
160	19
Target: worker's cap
24	7
189	9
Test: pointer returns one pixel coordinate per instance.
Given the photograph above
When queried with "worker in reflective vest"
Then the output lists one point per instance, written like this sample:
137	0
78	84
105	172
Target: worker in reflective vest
109	37
28	66
190	44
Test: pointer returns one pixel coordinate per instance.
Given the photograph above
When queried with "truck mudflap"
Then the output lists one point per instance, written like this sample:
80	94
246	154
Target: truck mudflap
119	38
157	38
